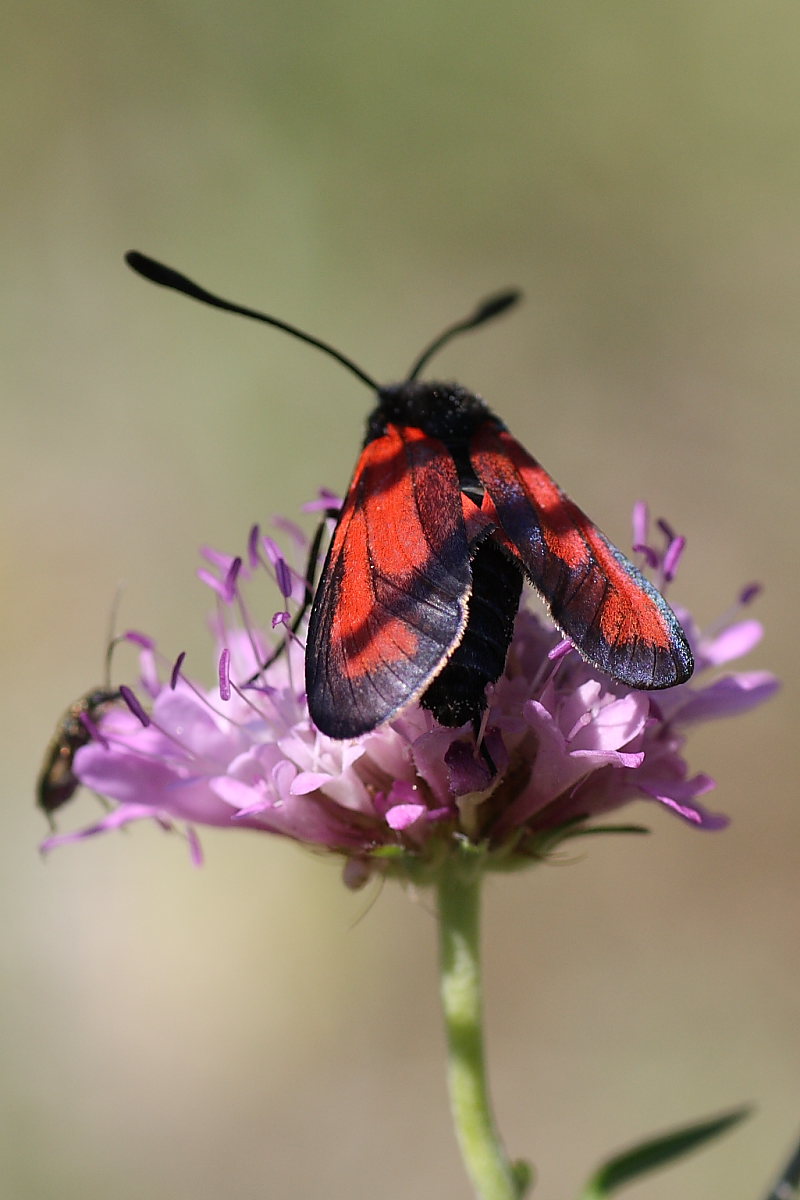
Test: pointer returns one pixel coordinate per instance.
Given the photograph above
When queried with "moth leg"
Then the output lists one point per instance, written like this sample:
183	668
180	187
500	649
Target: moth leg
478	728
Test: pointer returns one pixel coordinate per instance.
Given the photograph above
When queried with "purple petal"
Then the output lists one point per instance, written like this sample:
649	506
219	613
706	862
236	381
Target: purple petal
139	639
467	771
211	581
309	781
195	849
679	795
148	673
292	529
673	557
615	724
271	548
124	776
641	523
241	796
729	696
194	728
734	642
115	819
594	759
216	558
401	816
326	500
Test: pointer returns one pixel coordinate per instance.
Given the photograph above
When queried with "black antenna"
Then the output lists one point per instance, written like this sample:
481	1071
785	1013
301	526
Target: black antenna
492	306
113	639
157	273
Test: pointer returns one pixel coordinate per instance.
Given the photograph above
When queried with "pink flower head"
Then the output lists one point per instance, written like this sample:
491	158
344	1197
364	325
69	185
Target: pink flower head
567	743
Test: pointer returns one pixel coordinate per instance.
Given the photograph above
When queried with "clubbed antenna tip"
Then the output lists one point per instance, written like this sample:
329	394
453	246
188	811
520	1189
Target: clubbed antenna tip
491	307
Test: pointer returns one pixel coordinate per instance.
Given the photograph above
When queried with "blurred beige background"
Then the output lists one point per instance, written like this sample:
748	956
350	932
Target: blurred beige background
368	171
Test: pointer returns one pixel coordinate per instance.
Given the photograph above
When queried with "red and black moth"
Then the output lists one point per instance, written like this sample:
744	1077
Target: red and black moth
445	516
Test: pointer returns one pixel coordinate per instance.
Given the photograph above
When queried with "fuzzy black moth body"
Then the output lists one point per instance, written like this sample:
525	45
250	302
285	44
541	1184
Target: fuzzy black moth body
458	693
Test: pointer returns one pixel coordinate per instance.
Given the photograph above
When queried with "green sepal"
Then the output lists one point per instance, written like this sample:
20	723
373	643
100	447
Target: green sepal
523	1175
520	851
394	852
657	1152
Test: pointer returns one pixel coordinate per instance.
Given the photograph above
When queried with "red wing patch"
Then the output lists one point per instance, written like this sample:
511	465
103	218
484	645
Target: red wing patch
391	605
616	618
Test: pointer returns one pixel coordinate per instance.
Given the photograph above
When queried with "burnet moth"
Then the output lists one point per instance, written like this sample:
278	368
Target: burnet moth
445	515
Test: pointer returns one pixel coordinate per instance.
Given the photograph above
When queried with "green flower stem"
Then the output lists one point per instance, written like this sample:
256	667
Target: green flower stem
493	1176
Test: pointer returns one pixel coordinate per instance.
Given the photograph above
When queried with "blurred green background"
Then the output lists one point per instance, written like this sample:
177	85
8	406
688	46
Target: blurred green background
368	171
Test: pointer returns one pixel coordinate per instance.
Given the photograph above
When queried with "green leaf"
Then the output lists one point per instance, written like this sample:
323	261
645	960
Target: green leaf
657	1152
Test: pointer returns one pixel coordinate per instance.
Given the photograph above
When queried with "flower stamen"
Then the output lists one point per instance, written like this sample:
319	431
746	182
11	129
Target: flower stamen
224	673
133	704
175	674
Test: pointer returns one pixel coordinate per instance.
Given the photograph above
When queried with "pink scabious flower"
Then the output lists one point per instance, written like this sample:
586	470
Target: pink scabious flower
569	744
